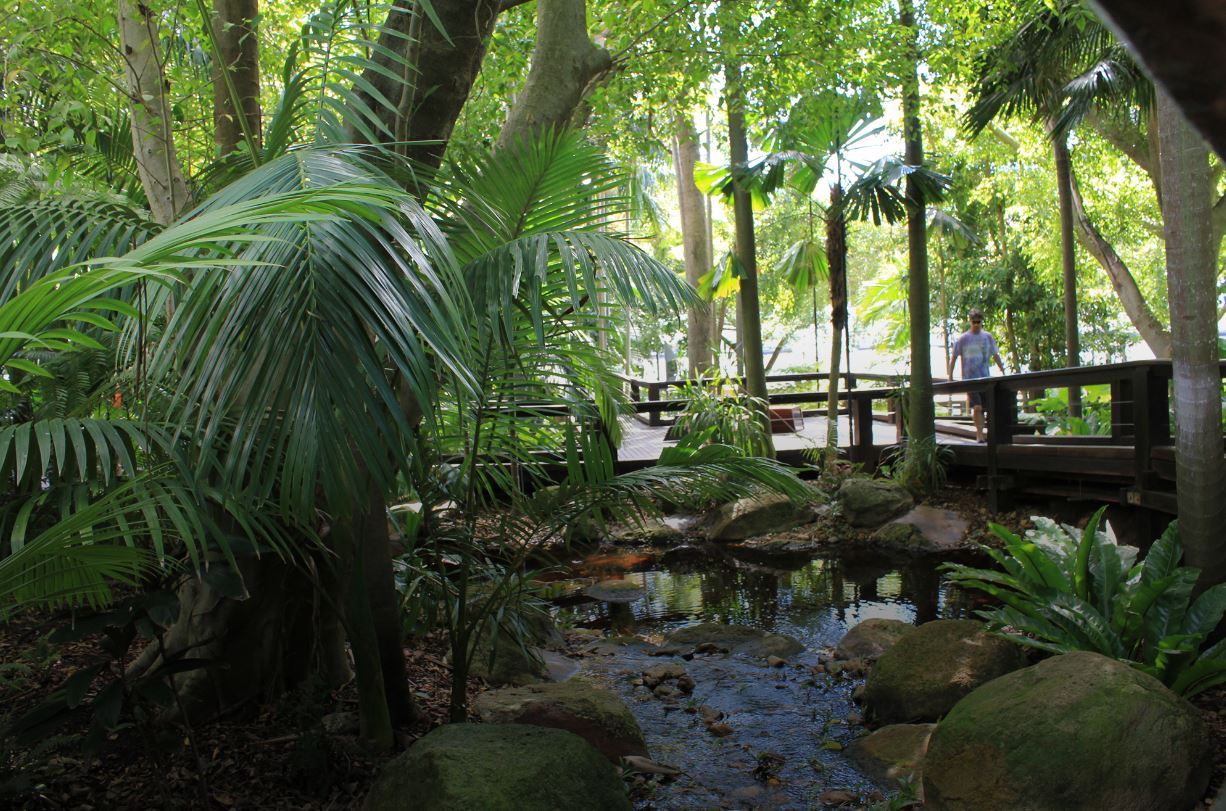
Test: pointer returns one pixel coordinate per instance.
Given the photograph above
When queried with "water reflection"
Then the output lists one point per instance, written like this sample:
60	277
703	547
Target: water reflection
814	600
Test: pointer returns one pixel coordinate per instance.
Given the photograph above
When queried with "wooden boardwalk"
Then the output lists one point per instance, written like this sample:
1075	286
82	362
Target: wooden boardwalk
1131	463
641	442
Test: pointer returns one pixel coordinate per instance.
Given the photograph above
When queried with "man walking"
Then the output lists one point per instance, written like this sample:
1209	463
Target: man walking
976	347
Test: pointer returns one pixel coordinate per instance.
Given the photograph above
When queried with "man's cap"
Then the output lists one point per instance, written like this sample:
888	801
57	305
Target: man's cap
976	315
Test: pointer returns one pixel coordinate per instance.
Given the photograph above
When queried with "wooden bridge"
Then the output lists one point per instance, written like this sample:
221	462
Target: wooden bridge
1132	463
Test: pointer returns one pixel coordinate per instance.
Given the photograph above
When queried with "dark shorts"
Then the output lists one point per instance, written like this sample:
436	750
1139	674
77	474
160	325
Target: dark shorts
974	398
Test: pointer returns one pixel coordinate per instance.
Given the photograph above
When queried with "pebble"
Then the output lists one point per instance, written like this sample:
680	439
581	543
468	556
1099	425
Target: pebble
775	661
832	746
720	730
836	796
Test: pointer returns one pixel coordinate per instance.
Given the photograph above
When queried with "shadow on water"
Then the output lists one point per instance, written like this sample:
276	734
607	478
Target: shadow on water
793	711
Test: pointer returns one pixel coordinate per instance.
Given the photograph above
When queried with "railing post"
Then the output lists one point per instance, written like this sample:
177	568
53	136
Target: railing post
1000	402
653	393
1151	421
1126	396
860	406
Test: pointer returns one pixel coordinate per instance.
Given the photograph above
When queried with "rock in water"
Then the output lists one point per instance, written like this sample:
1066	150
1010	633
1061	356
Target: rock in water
598	716
872	502
891	754
1075	731
926	672
498	767
760	515
871	638
924	529
616	591
738	639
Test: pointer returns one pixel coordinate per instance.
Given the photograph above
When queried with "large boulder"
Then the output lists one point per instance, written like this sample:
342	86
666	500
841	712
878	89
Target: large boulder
759	515
1075	731
738	639
893	753
928	670
498	767
869	639
872	502
501	658
598	716
923	529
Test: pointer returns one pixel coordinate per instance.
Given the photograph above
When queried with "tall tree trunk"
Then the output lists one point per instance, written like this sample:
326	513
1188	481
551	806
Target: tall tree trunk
236	75
1068	263
152	134
749	313
565	63
694	243
444	66
921	421
836	261
1135	306
1200	474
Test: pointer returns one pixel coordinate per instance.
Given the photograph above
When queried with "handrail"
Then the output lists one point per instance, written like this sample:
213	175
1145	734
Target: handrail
791	377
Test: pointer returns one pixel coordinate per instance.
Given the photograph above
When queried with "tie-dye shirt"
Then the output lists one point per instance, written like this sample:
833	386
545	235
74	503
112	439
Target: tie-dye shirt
976	351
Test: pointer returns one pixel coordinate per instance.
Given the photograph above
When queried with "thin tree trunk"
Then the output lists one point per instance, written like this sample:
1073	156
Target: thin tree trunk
565	63
152	133
1135	306
922	421
749	313
1068	263
694	243
236	32
836	261
1200	474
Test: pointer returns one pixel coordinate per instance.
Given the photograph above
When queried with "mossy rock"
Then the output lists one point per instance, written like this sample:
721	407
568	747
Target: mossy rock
929	669
752	517
1074	731
739	639
893	753
596	715
872	502
871	638
498	767
500	658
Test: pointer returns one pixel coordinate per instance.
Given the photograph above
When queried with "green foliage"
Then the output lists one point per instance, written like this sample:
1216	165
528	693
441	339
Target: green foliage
921	466
1064	590
1095	419
725	414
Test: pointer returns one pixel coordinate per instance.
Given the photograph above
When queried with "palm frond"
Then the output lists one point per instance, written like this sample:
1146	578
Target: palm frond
298	335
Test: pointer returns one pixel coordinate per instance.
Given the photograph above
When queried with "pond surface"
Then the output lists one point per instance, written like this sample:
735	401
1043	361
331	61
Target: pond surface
803	716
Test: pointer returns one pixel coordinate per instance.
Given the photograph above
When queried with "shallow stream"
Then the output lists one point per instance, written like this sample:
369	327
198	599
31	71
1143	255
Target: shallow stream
791	711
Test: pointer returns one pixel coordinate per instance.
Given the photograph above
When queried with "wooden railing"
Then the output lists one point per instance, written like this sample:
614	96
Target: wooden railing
1140	416
657	401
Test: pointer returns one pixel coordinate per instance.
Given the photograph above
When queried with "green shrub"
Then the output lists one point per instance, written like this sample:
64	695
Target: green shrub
921	466
735	419
1062	591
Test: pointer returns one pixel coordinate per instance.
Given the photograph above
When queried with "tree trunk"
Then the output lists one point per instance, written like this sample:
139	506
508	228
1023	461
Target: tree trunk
1200	474
1068	264
445	67
694	242
236	33
152	131
836	261
283	631
1135	306
921	421
749	313
565	63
